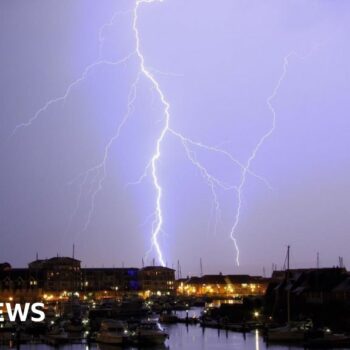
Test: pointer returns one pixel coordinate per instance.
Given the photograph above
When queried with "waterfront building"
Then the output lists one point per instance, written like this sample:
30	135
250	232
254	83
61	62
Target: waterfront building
16	285
222	285
157	280
60	277
324	292
56	274
105	279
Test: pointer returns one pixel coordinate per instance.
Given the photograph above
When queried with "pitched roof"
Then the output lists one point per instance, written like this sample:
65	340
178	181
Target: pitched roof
343	286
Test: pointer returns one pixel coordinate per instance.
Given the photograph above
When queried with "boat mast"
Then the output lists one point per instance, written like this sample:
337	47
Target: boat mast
288	290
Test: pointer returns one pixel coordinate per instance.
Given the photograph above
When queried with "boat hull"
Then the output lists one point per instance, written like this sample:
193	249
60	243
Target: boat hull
110	339
151	339
286	336
329	342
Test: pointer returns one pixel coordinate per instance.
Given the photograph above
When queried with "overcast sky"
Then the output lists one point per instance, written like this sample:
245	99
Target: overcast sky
219	64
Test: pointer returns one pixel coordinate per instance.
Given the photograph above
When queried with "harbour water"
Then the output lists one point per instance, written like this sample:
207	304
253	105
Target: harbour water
192	337
186	337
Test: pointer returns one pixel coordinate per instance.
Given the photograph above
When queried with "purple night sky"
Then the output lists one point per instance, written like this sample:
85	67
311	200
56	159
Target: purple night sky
217	63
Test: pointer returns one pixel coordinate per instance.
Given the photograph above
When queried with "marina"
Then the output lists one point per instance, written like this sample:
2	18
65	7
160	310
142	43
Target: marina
187	329
184	337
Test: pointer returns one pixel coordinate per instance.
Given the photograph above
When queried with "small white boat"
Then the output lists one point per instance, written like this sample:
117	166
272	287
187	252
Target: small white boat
112	332
149	333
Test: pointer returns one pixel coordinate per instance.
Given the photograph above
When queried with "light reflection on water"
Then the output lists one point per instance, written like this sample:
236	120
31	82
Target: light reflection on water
188	338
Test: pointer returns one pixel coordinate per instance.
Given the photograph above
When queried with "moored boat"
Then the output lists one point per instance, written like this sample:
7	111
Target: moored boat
329	341
112	332
149	333
286	334
237	327
56	336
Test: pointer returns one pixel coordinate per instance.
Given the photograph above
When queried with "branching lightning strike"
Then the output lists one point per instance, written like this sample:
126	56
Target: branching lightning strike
244	167
255	151
102	166
69	89
211	180
99	170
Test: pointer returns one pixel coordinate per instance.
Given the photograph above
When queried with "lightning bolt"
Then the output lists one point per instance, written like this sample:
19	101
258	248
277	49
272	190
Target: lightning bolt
101	167
256	149
101	36
158	221
99	171
210	179
100	62
69	89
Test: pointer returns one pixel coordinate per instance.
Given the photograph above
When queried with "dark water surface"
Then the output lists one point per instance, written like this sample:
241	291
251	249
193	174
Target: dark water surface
188	338
191	337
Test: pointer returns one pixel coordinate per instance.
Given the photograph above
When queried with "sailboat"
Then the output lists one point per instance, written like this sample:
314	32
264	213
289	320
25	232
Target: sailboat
292	331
